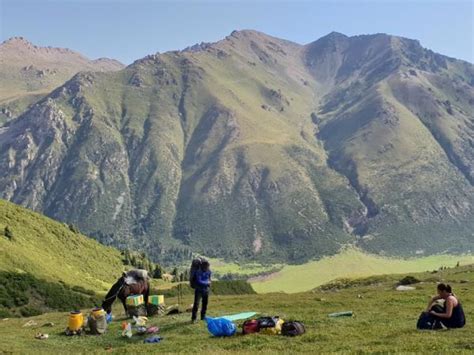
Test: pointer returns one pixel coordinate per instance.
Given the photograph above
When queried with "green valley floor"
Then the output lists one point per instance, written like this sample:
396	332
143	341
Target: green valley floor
384	321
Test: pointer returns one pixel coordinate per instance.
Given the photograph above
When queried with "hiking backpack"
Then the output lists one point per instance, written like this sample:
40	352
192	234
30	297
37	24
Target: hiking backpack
270	325
97	324
195	266
292	328
250	326
267	322
428	322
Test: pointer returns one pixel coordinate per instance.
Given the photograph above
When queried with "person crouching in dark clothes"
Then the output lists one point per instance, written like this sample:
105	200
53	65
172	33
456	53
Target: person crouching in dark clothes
203	284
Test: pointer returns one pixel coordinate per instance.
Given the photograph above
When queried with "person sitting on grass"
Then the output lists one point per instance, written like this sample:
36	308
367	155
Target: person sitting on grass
449	315
203	284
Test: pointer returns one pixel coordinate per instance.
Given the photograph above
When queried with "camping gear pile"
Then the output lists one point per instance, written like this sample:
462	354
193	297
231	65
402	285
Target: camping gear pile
140	328
136	306
273	326
225	327
96	322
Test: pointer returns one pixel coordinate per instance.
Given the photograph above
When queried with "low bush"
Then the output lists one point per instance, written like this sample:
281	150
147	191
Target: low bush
17	291
408	280
235	287
30	311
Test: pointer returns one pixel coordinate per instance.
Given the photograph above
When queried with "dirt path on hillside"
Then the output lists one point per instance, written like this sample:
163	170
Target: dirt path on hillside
263	278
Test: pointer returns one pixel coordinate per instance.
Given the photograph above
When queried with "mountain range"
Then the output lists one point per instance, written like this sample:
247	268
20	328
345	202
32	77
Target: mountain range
28	73
252	147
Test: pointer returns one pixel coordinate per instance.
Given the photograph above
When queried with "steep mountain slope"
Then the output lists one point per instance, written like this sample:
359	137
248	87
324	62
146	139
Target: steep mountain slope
404	139
256	147
51	251
29	72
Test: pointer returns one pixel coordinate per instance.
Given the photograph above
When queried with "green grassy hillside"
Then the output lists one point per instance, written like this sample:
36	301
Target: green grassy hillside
384	322
349	263
22	294
49	250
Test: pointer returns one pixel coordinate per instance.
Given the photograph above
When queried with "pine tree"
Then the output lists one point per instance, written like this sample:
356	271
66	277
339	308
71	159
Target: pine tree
157	273
175	274
73	228
126	257
8	233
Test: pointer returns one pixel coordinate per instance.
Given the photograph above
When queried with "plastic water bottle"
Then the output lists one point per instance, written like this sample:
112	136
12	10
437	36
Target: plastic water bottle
126	330
109	317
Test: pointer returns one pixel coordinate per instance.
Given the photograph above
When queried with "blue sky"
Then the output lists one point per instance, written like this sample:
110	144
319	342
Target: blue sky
128	30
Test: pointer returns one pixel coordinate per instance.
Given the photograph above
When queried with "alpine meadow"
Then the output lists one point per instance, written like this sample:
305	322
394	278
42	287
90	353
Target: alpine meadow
301	182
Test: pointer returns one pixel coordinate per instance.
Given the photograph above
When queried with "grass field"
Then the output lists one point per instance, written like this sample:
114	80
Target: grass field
222	267
348	263
384	321
51	251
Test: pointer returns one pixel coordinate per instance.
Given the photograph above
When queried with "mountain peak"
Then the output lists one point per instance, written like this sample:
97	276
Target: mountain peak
254	35
20	51
335	35
106	60
21	44
17	41
332	37
246	33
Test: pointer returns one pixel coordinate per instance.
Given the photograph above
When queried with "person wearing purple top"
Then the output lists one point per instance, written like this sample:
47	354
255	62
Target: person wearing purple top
203	284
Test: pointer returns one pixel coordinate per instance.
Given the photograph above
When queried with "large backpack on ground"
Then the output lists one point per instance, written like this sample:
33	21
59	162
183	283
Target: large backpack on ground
195	266
250	326
97	324
426	321
220	327
292	328
270	325
429	321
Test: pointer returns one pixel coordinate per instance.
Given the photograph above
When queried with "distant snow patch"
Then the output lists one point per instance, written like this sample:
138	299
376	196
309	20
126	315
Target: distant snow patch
118	206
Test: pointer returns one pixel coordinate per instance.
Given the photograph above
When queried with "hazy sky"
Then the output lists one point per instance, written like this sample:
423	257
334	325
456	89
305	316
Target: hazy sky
128	30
